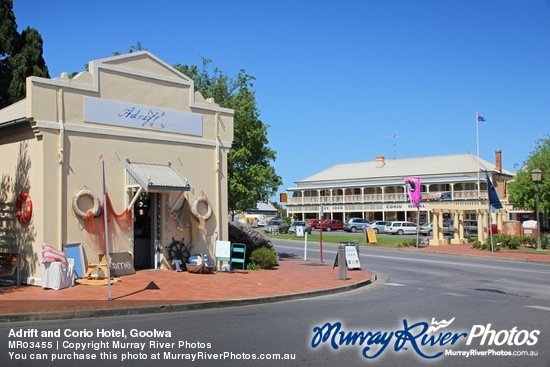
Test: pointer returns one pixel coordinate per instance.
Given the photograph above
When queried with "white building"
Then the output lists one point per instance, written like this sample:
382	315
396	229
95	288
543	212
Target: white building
453	187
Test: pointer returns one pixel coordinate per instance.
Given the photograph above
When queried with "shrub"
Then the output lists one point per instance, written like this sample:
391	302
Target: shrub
264	257
253	266
251	237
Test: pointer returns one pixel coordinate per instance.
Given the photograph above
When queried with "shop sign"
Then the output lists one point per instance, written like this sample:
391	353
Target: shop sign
437	196
107	112
405	206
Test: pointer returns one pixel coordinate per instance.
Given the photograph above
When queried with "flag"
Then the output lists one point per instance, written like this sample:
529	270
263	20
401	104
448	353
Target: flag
480	117
413	188
494	201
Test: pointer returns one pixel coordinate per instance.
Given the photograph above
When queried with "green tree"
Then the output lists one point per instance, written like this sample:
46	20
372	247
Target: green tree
20	56
522	190
251	176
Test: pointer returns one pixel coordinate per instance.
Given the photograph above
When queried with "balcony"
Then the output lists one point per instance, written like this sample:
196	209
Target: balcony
375	198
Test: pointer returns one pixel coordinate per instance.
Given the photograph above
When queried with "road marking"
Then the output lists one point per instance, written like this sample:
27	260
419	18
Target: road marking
455	294
539	308
395	284
439	262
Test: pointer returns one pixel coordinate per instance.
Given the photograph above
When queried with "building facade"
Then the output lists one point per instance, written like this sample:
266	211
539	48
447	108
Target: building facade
453	187
135	123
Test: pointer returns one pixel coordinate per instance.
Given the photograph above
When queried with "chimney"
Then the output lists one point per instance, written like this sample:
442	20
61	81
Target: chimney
380	161
498	160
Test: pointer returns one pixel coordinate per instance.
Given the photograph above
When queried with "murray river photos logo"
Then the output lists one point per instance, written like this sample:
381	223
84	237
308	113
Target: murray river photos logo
428	341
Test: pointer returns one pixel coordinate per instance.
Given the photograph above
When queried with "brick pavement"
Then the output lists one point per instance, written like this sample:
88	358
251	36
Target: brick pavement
163	290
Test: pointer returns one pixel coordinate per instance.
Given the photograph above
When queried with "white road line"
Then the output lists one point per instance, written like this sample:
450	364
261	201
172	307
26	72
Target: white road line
439	262
455	294
539	308
395	284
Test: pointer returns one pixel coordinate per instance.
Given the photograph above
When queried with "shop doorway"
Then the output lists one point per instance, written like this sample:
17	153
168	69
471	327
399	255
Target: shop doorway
145	231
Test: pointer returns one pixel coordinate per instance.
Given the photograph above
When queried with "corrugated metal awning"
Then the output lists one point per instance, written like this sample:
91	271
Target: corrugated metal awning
155	177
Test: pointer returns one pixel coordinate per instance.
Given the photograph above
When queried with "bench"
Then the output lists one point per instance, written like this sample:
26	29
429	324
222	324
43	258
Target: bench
9	265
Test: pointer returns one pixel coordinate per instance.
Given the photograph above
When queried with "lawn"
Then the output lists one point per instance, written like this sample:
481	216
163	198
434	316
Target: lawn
333	238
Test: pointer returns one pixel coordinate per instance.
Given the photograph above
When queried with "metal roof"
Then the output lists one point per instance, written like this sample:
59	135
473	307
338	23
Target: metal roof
455	167
156	177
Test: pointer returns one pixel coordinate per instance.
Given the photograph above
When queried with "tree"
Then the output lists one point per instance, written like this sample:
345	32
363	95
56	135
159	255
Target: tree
522	190
251	176
20	56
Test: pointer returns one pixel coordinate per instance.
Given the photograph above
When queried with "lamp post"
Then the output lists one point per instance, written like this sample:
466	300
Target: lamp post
536	175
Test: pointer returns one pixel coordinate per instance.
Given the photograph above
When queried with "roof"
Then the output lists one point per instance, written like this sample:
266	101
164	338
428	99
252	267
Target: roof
157	177
435	167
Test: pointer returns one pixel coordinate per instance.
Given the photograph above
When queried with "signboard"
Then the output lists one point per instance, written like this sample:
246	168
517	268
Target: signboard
352	258
275	230
299	231
371	236
122	263
351	255
114	113
223	250
283	198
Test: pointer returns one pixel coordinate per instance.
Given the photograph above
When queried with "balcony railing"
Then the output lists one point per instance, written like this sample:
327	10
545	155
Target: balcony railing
375	198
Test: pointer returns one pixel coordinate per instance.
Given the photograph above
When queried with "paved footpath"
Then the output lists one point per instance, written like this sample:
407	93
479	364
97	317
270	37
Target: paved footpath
150	291
163	290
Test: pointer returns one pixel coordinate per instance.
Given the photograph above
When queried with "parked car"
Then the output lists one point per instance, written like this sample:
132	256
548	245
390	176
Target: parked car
400	228
427	229
314	223
299	223
470	228
377	226
332	225
283	226
258	219
355	224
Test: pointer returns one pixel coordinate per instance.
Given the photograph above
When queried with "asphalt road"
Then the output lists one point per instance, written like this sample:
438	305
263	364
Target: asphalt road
498	307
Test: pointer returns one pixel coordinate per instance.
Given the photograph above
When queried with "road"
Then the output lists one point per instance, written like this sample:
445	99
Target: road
499	307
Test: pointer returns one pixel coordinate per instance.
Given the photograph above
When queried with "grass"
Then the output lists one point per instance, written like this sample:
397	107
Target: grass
336	239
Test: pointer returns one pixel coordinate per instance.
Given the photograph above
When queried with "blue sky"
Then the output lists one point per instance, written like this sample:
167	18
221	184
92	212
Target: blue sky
335	80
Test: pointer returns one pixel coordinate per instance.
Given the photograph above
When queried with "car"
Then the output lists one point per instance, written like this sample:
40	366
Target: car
400	228
470	228
427	229
254	219
377	226
355	224
332	225
299	223
281	224
314	223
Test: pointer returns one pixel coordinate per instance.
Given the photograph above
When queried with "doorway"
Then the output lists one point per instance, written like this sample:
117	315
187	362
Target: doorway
145	231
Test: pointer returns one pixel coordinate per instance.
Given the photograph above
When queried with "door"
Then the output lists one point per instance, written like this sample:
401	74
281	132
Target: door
144	231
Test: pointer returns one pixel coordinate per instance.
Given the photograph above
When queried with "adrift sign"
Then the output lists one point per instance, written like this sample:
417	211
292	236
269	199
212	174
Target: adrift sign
107	112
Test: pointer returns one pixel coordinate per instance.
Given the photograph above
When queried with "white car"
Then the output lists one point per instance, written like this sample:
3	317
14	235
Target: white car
400	227
377	226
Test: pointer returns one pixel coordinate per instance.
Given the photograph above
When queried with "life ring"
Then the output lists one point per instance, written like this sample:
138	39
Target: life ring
96	210
23	213
195	207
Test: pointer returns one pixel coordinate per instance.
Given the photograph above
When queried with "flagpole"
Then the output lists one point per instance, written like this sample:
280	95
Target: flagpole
106	231
417	226
478	164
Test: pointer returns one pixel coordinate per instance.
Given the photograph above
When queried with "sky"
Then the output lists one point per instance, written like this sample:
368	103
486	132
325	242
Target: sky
341	81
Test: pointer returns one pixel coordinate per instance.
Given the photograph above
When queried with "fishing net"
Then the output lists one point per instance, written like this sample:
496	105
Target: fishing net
118	223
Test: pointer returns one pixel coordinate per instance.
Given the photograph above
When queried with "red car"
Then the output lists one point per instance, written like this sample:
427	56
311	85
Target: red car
314	223
332	225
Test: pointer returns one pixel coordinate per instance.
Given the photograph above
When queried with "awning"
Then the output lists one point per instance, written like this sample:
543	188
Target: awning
155	177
